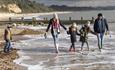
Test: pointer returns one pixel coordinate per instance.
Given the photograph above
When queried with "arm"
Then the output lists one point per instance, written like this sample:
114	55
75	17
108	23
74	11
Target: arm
63	26
10	35
92	32
106	24
5	34
77	32
94	27
68	32
48	27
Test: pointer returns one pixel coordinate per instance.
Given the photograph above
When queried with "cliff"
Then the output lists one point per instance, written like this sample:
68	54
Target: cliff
22	6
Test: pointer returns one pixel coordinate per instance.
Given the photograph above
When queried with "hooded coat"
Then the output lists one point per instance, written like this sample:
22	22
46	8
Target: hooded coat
73	32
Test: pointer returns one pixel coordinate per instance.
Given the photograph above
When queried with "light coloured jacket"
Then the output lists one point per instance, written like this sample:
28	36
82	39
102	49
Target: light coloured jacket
7	34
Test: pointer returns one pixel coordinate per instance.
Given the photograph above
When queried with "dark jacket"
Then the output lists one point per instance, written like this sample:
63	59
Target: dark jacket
84	33
73	34
50	25
100	28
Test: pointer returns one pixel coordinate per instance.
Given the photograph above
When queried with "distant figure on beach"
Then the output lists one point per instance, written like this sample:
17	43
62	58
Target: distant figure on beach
100	27
73	31
84	31
7	38
55	24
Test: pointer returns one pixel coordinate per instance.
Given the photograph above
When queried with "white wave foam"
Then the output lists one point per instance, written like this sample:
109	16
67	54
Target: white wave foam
31	27
30	67
22	57
35	67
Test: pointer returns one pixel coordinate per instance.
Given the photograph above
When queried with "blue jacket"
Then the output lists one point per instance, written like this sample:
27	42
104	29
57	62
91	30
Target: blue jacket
100	25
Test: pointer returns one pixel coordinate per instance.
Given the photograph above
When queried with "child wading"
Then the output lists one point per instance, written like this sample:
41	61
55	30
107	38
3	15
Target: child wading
73	32
84	34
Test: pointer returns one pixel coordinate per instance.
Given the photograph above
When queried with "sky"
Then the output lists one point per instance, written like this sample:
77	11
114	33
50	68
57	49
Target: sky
93	3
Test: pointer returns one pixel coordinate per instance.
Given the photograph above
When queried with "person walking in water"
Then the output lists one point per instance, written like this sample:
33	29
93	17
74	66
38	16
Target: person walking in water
84	31
73	31
7	38
100	27
55	24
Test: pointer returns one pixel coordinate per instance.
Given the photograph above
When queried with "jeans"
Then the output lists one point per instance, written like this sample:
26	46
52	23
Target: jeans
55	38
7	46
83	45
100	40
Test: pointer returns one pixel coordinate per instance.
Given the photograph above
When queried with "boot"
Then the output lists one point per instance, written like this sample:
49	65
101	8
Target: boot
70	49
73	49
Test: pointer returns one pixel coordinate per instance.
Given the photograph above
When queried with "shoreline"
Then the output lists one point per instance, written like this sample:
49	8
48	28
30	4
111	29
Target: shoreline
52	58
5	16
7	59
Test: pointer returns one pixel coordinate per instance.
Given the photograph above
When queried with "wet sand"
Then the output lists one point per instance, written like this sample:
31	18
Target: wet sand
7	59
39	54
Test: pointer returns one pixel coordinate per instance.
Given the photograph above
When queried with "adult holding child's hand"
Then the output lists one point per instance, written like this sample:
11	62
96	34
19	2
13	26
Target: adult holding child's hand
100	28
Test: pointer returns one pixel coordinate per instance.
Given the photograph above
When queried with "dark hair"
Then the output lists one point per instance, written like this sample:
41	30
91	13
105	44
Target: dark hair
100	14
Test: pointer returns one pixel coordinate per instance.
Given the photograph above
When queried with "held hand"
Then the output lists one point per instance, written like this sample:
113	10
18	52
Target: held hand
11	38
95	33
67	32
107	32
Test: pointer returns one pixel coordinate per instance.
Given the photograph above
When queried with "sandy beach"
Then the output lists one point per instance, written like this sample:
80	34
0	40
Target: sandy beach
7	59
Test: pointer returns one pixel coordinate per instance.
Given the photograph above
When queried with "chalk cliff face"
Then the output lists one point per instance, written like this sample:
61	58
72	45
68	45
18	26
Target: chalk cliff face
22	6
10	8
13	8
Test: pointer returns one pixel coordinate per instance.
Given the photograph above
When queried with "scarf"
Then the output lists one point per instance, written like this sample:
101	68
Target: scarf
55	24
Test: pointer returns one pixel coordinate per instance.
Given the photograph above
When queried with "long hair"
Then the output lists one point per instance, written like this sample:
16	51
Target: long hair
55	22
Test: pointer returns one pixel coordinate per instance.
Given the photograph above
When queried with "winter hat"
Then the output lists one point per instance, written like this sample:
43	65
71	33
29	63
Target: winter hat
14	24
88	23
74	24
9	25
